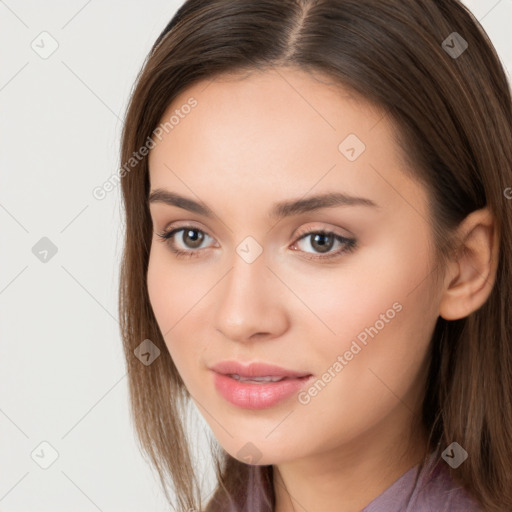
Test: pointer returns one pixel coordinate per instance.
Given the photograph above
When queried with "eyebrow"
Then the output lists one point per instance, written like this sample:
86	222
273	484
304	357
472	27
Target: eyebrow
279	210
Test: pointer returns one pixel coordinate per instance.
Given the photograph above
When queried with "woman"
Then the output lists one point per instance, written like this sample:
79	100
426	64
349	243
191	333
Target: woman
318	255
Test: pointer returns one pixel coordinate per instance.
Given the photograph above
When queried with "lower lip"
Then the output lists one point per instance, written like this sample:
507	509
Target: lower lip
249	395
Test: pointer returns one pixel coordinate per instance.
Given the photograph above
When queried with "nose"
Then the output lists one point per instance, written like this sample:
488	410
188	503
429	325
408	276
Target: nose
251	302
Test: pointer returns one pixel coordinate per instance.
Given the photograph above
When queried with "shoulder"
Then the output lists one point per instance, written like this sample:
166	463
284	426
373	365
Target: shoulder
434	491
442	494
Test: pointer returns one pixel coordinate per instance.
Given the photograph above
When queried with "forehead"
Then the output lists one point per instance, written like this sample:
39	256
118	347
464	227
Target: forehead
281	132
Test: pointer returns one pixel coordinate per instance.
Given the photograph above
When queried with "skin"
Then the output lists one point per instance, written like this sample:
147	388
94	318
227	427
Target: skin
258	139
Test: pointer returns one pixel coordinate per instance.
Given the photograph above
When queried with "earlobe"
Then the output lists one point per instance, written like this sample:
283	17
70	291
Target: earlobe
471	274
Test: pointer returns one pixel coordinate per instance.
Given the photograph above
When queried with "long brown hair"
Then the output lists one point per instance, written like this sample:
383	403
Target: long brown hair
453	114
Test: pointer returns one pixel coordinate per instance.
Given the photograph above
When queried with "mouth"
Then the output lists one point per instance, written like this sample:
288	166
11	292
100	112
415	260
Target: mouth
257	380
255	370
257	385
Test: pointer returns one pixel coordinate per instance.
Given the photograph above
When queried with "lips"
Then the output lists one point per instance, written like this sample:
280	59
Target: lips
257	385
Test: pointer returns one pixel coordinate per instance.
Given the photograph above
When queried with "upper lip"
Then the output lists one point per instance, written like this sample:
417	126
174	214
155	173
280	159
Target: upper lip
255	369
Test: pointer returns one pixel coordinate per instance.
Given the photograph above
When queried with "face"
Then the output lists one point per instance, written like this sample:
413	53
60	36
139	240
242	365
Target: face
339	295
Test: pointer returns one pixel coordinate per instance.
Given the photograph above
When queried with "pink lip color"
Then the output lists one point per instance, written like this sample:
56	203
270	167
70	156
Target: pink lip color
250	395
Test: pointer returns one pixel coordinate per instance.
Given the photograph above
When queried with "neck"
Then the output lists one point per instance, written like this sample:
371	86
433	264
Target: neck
348	477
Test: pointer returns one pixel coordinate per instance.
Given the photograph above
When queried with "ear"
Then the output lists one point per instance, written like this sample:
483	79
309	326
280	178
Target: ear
471	273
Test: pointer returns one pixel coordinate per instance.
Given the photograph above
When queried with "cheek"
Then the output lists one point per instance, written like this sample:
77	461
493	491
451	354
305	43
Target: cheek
168	300
162	290
380	367
175	295
368	288
173	289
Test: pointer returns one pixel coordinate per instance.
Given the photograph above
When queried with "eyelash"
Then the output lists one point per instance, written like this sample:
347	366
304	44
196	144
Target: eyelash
349	243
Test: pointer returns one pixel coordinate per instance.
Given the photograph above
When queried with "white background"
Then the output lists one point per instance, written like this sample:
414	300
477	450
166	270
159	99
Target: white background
62	374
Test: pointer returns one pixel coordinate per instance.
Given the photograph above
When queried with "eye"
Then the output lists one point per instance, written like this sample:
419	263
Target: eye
322	241
191	237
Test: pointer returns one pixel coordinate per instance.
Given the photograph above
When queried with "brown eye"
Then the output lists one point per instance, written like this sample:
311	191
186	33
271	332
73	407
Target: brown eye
322	242
192	238
186	244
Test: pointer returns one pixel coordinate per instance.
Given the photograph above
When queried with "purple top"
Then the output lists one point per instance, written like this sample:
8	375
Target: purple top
435	491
